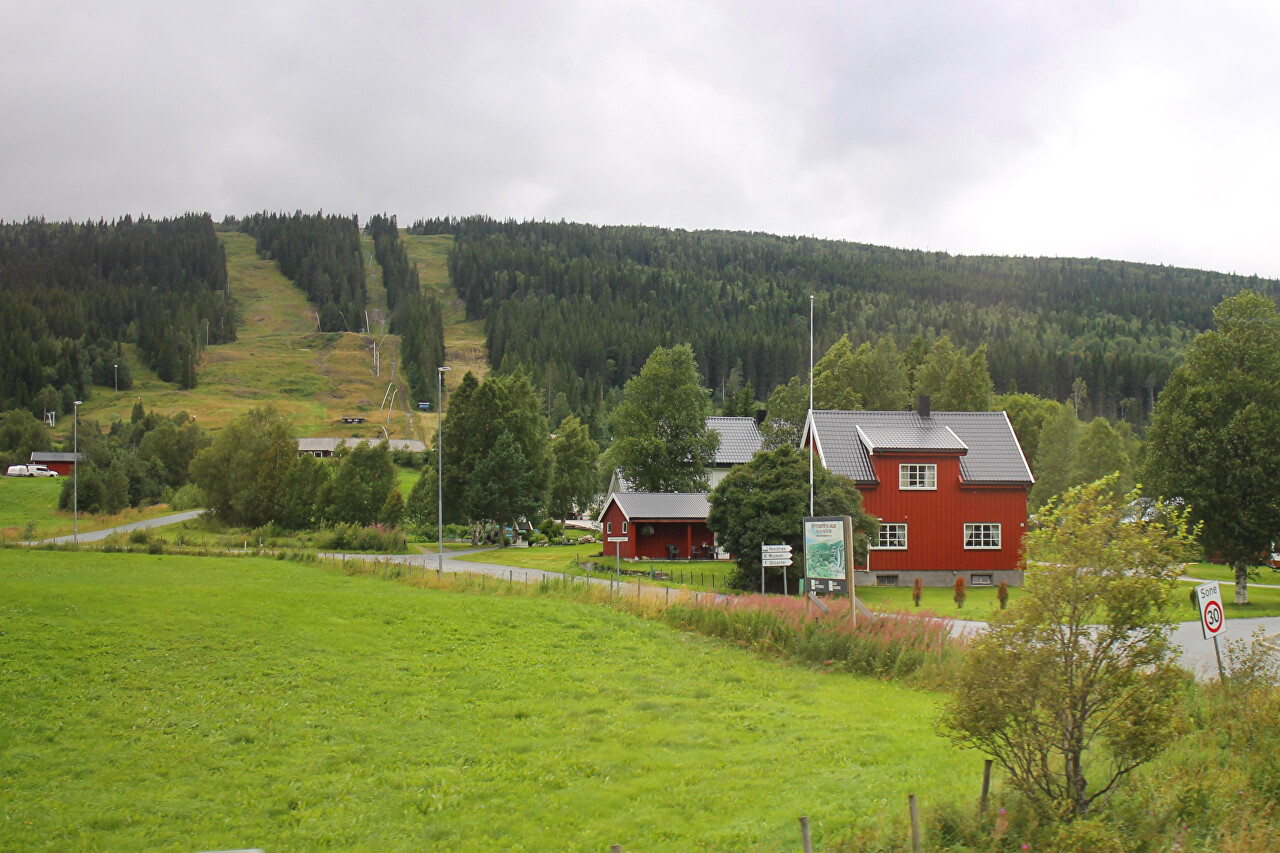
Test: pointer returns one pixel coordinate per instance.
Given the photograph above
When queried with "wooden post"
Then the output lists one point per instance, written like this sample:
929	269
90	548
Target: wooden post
986	787
804	835
915	823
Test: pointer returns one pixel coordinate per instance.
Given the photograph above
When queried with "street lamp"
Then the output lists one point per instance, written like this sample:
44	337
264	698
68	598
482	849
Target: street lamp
440	465
75	471
115	371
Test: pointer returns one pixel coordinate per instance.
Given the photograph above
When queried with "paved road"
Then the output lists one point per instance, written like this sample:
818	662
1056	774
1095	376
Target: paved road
96	535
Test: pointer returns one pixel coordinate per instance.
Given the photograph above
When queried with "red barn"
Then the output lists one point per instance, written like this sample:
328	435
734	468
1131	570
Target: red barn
950	490
63	463
658	526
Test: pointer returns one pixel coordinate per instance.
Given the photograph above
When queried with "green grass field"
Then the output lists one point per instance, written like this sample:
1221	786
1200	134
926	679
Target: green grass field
169	703
559	558
35	499
1226	574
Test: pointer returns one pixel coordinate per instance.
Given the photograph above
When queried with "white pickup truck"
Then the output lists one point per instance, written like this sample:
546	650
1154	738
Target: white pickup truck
30	471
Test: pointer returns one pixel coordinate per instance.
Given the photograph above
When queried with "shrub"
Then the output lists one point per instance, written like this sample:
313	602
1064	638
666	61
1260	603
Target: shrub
188	497
959	594
917	590
1002	594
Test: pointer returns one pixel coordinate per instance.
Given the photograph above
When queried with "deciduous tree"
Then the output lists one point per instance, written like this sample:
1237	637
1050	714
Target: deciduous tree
661	442
764	503
1214	439
1075	685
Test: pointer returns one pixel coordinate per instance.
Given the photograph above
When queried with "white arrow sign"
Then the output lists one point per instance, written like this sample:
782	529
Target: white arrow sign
775	549
776	561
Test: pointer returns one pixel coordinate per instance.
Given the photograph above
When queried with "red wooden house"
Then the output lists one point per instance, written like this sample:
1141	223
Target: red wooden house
62	463
950	490
658	526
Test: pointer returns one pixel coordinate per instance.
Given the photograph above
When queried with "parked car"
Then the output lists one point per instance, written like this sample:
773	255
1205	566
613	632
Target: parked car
30	471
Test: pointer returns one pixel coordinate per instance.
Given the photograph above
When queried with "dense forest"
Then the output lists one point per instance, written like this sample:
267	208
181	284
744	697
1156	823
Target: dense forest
415	316
70	293
321	255
582	306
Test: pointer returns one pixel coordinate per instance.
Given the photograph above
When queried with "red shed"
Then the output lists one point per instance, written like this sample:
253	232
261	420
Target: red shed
950	490
63	463
658	525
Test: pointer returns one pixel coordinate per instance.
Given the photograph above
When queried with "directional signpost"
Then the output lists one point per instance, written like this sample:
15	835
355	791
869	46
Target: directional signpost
1212	619
774	555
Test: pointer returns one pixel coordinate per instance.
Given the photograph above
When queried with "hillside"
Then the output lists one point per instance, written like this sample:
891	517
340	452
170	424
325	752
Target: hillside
465	345
279	359
583	306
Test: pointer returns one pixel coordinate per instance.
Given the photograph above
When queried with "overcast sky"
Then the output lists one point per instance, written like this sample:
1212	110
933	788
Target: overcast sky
1144	131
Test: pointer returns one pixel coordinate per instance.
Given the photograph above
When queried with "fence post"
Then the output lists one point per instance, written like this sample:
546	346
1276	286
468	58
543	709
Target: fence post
986	787
804	835
915	823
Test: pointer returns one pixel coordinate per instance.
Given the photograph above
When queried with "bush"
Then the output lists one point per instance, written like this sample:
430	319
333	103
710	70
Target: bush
353	537
188	497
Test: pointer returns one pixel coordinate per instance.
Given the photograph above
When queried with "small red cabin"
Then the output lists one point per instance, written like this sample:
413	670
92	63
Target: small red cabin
658	526
950	490
63	463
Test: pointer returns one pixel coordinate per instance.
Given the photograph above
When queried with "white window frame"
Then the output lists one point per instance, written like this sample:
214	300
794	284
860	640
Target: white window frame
881	537
918	477
985	534
608	527
624	527
980	580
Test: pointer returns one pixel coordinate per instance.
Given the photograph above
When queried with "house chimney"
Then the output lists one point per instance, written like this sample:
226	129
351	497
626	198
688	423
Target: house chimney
760	416
922	405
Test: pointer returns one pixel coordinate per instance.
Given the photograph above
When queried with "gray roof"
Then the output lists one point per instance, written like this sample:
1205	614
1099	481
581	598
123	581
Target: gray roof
990	454
739	439
42	456
644	506
329	445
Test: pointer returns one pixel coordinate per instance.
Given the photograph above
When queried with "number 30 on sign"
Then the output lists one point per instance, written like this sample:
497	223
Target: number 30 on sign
1209	598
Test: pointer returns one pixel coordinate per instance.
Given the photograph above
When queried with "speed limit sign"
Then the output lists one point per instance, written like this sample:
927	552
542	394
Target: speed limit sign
1212	620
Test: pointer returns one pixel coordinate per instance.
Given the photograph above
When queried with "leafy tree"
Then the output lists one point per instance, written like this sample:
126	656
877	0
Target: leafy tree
1027	415
420	507
788	407
765	502
955	381
661	442
1075	684
1101	452
870	377
243	470
20	434
501	489
478	414
392	509
298	507
573	478
115	488
1214	439
359	487
173	448
1056	459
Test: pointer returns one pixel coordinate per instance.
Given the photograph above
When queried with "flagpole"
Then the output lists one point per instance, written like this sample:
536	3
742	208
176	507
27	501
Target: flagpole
811	435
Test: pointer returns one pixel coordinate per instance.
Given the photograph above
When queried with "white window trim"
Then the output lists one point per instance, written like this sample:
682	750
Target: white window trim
624	527
971	528
928	471
902	547
608	527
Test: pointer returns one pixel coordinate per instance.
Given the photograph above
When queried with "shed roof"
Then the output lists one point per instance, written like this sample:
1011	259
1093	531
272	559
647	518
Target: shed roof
330	445
990	451
43	456
740	439
654	506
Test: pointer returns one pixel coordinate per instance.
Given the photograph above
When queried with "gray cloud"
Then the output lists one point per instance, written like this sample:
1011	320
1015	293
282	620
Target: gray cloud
1082	128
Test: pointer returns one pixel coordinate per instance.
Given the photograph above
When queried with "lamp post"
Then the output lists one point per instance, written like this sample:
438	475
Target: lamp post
75	470
115	371
440	464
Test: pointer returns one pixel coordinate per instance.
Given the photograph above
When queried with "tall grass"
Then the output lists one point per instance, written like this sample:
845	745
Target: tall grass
890	645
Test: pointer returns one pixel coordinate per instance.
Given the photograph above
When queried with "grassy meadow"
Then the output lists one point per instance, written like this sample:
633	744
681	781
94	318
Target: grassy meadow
175	703
465	347
34	500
